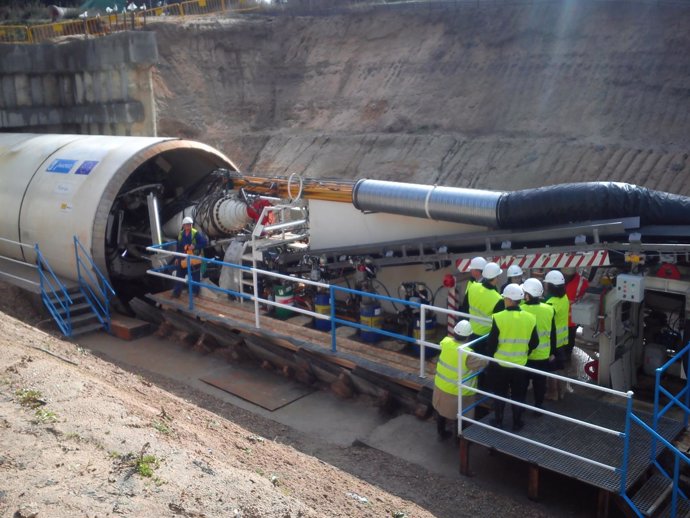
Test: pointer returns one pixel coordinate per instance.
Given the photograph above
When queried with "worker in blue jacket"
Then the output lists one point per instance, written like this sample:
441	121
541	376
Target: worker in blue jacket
189	241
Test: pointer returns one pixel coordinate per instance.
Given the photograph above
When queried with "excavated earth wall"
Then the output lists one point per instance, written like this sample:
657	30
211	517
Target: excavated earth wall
486	95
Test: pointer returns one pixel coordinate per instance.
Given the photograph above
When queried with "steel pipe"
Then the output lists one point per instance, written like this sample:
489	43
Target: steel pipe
473	206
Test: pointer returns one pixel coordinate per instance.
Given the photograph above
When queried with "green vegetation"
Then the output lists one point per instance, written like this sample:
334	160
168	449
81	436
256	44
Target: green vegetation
162	427
141	463
30	398
145	464
45	416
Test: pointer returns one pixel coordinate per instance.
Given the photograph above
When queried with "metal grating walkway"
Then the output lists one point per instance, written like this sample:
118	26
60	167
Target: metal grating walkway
652	493
593	444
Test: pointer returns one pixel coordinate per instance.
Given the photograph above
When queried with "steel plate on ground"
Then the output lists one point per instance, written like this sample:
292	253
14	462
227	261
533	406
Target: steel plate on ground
263	388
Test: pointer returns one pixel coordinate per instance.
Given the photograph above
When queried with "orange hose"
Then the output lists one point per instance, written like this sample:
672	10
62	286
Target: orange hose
312	189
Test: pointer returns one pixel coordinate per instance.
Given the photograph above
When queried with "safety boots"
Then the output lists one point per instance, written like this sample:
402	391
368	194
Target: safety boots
518	424
441	430
497	420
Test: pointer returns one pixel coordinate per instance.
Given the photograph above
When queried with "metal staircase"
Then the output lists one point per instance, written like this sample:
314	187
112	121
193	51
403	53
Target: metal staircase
660	495
94	293
77	307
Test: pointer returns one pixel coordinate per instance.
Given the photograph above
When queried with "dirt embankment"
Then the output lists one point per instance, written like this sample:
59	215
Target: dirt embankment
470	94
81	437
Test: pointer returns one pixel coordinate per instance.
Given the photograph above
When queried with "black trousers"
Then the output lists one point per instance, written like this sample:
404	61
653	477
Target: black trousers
181	272
538	380
508	382
572	332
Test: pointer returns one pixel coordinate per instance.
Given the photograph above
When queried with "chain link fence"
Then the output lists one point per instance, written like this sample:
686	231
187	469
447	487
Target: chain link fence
130	19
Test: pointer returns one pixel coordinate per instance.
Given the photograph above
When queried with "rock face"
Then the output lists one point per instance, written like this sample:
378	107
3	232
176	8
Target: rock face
466	94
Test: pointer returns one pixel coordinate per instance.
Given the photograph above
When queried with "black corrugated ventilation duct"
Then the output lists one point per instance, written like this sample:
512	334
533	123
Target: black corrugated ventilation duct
572	202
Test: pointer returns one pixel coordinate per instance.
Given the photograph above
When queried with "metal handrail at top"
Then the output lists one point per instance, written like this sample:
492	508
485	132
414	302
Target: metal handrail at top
10	241
19	262
94	268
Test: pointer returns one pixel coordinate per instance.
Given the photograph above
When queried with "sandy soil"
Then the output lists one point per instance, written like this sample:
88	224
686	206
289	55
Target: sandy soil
78	436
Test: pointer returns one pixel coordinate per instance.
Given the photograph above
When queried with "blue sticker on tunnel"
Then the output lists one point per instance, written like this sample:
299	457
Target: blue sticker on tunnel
86	167
60	165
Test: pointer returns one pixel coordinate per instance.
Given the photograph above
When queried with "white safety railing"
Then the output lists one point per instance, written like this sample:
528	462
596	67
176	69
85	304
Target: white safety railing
423	308
464	381
21	263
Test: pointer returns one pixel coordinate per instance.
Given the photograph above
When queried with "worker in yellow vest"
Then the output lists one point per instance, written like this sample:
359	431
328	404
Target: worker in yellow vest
512	338
475	269
189	241
445	397
483	299
543	356
514	274
554	283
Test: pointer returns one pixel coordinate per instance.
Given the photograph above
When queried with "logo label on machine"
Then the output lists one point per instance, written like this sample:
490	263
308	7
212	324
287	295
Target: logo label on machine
61	166
64	166
86	167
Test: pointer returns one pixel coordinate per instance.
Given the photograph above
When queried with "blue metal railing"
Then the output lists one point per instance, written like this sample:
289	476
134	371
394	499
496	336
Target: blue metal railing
98	300
54	294
677	494
673	400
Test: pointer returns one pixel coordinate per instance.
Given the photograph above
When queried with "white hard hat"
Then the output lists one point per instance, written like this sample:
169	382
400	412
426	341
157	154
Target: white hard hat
187	221
533	287
555	277
514	270
477	263
513	292
491	271
463	328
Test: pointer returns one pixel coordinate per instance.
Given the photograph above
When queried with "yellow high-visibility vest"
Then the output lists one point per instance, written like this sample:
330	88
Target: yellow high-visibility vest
189	249
481	302
544	314
446	378
514	333
561	306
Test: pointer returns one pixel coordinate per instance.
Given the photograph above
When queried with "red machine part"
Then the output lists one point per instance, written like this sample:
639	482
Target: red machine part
254	211
592	369
668	271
